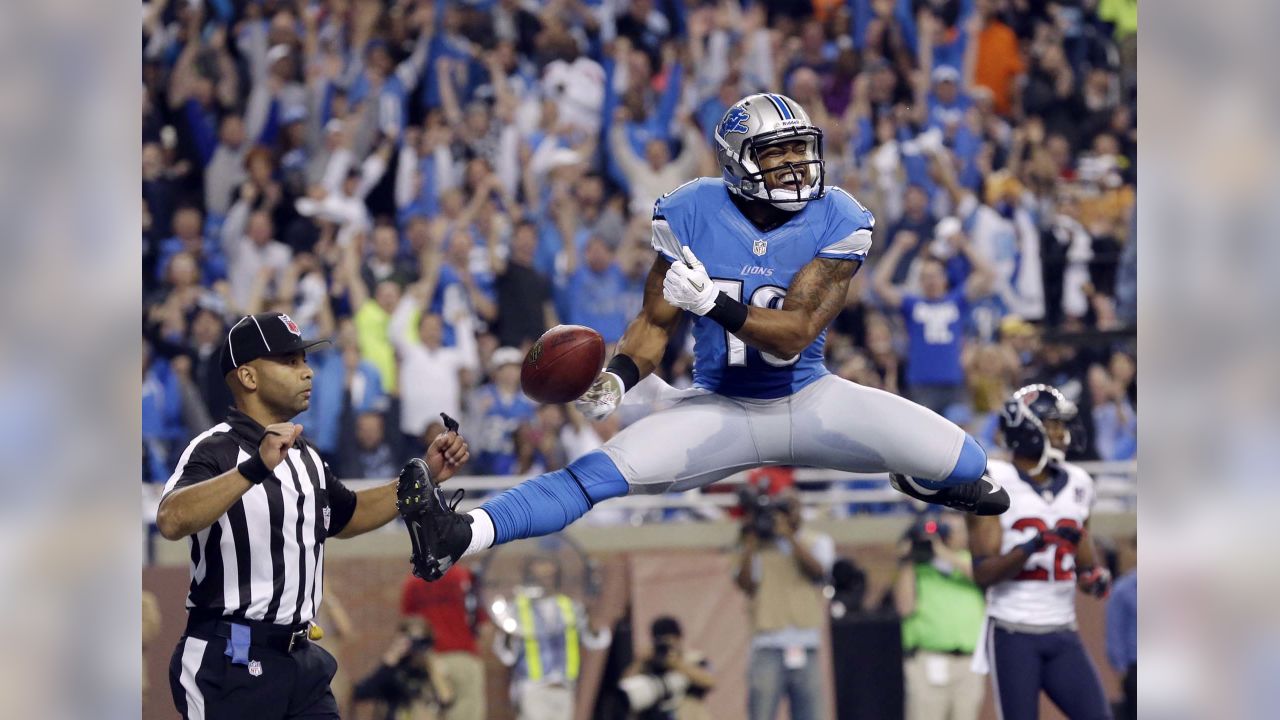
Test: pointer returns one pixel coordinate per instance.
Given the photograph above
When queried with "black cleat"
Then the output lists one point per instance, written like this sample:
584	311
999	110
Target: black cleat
438	532
983	496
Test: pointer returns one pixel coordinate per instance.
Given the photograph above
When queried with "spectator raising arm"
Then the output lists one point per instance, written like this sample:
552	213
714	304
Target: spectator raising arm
402	335
982	276
882	280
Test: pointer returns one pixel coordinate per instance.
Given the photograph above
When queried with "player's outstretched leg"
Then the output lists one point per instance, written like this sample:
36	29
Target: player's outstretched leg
968	488
844	426
538	506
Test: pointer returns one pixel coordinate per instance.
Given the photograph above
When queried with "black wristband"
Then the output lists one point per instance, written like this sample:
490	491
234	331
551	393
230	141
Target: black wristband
625	368
730	313
254	470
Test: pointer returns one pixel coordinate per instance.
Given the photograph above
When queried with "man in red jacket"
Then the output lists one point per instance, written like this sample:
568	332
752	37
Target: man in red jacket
451	605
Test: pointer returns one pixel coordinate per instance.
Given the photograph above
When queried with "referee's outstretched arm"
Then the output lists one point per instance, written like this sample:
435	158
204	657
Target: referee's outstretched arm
376	507
188	510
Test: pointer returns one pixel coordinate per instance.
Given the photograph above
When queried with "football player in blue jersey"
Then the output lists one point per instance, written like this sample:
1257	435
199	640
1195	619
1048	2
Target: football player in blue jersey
762	256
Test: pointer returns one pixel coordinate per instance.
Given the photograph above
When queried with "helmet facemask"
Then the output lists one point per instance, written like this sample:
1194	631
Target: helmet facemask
755	184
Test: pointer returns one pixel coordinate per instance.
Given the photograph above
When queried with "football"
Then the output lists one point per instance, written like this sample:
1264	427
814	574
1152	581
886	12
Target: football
562	364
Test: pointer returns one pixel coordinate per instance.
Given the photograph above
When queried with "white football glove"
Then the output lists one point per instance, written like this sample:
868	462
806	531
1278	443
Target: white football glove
687	285
602	398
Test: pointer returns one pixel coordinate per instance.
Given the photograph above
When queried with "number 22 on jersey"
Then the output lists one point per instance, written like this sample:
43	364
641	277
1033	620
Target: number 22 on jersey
1061	551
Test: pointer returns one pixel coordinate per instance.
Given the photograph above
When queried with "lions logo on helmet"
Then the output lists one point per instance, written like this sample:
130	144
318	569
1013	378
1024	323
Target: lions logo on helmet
756	122
735	121
1023	424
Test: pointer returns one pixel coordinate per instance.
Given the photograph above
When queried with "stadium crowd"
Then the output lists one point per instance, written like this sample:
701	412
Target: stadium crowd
434	184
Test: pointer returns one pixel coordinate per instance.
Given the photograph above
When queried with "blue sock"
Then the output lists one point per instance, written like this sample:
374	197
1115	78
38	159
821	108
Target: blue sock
549	502
969	466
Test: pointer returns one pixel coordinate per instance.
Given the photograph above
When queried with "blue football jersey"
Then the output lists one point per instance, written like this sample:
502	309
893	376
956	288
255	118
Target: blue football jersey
756	268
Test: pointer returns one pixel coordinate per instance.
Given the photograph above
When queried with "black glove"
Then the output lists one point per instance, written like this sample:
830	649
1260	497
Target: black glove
1036	543
1095	581
1070	534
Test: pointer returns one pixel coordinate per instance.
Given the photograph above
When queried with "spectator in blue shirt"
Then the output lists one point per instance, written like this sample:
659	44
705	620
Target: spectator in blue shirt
934	318
188	236
947	102
917	219
161	415
341	377
1115	424
500	407
367	451
594	294
1122	639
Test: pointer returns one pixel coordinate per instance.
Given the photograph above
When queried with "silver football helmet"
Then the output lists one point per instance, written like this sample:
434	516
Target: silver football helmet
760	120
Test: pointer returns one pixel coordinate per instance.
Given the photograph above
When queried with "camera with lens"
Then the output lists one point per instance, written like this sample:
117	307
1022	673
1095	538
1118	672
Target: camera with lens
663	651
412	668
759	510
921	535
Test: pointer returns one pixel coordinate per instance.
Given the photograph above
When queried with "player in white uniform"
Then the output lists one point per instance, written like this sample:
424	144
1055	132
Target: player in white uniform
762	256
1032	559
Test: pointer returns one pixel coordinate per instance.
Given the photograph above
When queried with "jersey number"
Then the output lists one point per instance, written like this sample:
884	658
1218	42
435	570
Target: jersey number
1061	550
765	296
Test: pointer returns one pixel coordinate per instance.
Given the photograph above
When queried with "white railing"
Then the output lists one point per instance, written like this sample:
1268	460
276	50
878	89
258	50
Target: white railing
1117	490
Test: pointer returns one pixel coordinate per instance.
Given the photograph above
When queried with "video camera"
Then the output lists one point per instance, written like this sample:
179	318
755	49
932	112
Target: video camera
759	509
921	535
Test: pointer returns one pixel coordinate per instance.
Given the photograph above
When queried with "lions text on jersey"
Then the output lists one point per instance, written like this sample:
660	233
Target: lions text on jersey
1044	592
756	268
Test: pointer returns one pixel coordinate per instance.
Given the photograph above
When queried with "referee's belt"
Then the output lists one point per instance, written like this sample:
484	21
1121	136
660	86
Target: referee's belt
283	638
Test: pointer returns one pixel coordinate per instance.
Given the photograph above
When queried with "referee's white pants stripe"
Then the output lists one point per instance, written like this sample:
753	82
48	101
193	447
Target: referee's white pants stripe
192	655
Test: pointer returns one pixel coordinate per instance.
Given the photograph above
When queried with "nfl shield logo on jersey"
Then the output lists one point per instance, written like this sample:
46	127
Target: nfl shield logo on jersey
325	513
255	668
759	246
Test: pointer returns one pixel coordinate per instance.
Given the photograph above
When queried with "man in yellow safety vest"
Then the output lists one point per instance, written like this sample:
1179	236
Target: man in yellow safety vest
542	633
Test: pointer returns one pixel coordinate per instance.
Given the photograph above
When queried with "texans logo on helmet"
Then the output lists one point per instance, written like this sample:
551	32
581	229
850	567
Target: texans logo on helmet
735	121
290	325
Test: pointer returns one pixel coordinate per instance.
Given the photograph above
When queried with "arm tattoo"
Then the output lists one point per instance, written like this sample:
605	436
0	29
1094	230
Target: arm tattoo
819	289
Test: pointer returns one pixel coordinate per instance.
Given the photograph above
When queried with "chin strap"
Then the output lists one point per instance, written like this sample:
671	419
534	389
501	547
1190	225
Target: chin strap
1050	454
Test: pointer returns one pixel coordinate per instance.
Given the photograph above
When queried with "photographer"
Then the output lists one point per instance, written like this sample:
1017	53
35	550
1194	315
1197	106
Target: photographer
941	609
782	569
408	682
670	682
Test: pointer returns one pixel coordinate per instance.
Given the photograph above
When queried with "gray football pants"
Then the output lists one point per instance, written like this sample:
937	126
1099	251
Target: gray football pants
832	423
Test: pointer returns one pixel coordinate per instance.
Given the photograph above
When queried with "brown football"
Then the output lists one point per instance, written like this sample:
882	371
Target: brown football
562	364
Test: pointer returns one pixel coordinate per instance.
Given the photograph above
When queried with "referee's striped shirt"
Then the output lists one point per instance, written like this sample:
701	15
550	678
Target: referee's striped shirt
264	558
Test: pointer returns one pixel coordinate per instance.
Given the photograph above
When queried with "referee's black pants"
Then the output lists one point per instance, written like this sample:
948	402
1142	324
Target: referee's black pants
207	685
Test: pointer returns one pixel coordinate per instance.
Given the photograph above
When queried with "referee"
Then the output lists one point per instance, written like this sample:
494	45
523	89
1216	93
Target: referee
257	504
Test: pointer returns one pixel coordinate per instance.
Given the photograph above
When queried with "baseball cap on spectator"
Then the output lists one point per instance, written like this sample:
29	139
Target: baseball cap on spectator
293	114
945	73
506	355
947	227
1015	326
942	232
277	52
261	335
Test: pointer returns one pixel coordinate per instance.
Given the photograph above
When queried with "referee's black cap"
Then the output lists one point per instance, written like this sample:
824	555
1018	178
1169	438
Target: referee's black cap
255	336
